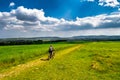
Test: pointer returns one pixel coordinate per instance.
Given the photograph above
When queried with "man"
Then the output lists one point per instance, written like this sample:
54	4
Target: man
51	54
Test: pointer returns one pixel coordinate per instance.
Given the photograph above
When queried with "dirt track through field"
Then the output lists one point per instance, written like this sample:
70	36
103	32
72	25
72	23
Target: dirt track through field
14	71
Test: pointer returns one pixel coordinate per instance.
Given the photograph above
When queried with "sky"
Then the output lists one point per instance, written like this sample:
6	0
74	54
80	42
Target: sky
60	18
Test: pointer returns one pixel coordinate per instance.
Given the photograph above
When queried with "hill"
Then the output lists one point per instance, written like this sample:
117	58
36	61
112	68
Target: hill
40	40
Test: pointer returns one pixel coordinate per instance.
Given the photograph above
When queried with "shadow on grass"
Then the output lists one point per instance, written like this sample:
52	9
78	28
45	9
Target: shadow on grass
44	59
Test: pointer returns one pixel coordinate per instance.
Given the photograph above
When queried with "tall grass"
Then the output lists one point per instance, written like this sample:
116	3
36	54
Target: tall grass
93	61
14	55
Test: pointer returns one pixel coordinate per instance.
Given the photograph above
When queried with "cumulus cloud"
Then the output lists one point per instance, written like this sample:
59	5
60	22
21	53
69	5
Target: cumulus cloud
110	3
106	3
34	20
11	4
25	14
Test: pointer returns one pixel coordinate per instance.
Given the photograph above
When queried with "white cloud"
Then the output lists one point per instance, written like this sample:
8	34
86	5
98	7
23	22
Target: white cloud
28	14
110	3
106	3
33	21
11	4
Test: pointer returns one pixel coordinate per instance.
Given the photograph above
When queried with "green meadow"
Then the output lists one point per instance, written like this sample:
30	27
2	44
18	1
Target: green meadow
78	61
18	54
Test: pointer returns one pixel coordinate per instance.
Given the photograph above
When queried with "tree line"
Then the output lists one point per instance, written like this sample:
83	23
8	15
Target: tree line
25	42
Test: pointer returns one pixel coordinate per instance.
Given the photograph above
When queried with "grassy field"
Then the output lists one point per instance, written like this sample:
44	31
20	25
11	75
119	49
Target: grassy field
18	54
91	61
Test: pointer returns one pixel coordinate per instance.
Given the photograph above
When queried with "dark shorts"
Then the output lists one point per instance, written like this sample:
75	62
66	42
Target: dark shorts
50	52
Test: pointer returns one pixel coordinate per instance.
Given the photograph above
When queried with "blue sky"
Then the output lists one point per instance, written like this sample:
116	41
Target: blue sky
63	18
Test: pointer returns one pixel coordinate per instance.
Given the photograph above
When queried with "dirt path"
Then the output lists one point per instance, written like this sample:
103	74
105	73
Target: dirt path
19	68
